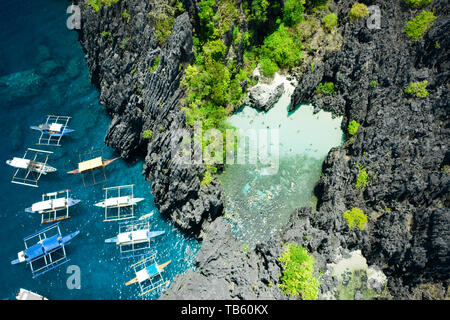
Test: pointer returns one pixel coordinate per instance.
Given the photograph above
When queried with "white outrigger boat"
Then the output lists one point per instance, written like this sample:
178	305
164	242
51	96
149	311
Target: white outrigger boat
33	167
25	294
119	203
51	204
30	165
134	238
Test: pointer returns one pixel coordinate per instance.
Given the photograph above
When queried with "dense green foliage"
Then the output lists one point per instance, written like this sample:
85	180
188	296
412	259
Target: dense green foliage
298	276
330	21
268	67
416	28
293	11
355	218
147	134
418	3
97	4
373	84
163	15
418	89
281	48
326	87
353	127
358	11
258	11
362	180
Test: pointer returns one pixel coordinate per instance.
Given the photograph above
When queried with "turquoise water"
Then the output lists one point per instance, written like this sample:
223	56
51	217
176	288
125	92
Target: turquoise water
259	205
43	72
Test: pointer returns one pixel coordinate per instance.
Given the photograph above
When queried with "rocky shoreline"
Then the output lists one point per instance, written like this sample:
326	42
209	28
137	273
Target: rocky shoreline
402	141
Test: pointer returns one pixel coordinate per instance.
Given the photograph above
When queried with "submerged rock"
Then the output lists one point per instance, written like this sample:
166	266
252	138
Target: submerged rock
23	84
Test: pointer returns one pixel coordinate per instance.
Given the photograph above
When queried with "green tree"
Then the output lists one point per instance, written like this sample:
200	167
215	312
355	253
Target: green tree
417	27
293	11
418	3
298	277
330	21
355	218
358	11
418	89
353	127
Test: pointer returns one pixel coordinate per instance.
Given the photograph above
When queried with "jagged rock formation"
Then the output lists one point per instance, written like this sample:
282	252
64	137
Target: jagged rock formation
120	55
402	141
264	96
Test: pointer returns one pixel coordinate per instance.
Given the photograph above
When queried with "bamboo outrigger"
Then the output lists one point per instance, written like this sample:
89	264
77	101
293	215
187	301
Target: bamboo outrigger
148	275
33	168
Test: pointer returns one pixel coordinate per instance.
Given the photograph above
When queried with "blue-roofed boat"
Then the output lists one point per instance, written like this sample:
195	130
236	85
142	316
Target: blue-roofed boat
148	275
54	128
148	272
49	250
43	248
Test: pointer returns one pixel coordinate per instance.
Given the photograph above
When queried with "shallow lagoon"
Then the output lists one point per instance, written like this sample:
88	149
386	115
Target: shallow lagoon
259	205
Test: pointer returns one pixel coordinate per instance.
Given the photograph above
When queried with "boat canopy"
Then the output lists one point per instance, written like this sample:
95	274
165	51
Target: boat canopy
134	236
90	164
41	206
56	127
20	163
146	273
49	204
117	201
45	246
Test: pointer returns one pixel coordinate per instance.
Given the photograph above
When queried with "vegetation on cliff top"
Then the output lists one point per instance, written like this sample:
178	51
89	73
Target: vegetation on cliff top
163	14
330	21
326	87
418	89
353	127
417	27
355	218
298	277
418	3
362	180
358	11
97	4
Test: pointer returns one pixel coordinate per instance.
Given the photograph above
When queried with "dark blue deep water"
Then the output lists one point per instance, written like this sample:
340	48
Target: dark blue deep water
42	71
